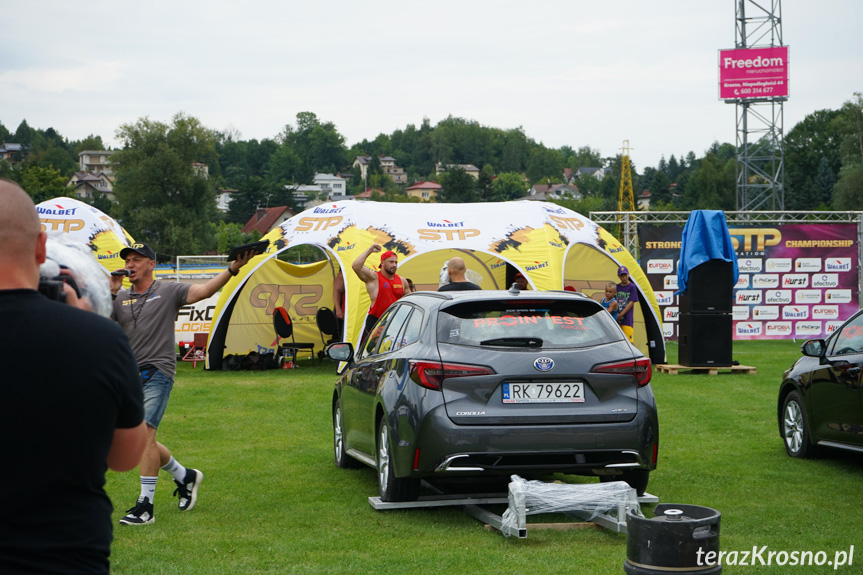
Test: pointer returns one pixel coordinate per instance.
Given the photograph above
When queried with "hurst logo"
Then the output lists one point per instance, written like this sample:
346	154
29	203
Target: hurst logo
795	281
670	314
748	297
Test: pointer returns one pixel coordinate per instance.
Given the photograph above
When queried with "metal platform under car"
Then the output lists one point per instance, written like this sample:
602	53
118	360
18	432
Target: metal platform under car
602	504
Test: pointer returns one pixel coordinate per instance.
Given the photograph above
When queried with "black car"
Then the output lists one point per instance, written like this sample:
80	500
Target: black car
820	396
493	383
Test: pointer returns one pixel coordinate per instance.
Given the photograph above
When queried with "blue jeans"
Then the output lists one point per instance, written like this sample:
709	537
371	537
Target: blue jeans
157	390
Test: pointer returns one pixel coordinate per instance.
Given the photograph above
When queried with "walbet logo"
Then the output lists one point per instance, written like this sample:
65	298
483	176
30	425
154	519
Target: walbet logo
837	265
795	313
749	328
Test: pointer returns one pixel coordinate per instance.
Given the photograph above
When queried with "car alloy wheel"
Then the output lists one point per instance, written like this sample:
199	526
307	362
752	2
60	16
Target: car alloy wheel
342	459
392	488
794	430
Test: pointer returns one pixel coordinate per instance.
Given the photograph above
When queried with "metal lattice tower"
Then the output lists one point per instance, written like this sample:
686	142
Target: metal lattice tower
625	200
760	147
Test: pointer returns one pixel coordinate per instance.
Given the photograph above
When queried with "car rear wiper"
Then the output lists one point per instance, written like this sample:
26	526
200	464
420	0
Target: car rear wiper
514	341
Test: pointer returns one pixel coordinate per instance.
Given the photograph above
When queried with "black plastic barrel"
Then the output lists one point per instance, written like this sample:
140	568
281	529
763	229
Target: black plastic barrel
679	539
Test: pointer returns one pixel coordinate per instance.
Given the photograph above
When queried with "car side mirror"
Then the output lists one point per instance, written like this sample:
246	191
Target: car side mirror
814	348
341	351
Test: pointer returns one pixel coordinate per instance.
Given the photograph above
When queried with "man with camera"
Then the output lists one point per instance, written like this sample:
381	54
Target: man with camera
71	408
146	312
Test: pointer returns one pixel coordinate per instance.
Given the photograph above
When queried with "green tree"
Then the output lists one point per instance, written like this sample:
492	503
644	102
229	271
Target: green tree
810	141
848	192
484	190
42	183
458	187
660	190
544	164
90	143
230	235
162	199
508	186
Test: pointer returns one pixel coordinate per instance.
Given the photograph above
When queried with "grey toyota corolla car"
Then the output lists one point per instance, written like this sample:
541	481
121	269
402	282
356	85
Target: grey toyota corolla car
485	383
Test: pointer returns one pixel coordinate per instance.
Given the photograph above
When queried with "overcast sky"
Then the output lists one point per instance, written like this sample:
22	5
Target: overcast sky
569	72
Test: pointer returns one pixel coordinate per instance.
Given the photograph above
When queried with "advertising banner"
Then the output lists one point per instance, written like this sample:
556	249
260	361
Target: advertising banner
797	281
753	73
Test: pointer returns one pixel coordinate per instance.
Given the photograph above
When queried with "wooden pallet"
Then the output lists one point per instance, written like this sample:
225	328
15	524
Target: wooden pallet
674	369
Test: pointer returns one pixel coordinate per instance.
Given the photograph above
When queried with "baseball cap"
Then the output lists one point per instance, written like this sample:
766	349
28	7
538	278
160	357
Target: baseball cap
388	254
142	249
622	270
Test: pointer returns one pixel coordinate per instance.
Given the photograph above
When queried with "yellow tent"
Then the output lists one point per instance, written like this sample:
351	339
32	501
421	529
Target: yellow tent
87	224
552	246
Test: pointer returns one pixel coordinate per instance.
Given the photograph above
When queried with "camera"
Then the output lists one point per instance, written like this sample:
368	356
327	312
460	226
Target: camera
52	289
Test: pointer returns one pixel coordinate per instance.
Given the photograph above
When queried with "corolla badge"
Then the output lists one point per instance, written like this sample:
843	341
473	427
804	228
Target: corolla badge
543	363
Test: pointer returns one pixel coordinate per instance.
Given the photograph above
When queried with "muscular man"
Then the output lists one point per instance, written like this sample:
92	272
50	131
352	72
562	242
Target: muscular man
146	312
69	411
384	287
455	269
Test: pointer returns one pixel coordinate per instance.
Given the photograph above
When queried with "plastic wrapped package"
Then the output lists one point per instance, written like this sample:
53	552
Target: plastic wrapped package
67	256
589	499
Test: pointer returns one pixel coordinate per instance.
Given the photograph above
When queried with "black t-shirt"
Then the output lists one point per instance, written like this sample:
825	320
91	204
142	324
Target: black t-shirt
458	286
68	379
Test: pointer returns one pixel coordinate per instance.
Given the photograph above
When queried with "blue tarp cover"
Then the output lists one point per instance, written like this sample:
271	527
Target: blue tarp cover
705	237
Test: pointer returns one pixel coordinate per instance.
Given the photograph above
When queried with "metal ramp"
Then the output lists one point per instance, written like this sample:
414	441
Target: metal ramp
604	504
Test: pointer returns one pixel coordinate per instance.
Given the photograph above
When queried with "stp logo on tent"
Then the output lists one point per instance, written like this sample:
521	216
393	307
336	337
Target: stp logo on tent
837	265
660	266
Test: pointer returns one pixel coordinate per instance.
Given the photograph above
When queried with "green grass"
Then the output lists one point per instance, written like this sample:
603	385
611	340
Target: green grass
273	502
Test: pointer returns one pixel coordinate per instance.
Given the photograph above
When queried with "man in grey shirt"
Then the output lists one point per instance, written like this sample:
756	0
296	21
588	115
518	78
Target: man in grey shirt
146	312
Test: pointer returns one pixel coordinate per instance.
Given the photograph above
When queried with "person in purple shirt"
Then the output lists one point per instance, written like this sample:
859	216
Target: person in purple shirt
627	295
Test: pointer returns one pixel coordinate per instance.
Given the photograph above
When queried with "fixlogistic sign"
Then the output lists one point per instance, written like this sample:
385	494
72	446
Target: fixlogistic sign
795	280
753	73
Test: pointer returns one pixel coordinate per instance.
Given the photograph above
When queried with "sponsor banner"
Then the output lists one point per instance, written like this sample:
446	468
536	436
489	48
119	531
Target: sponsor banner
791	274
740	312
753	73
664	298
660	267
194	318
670	314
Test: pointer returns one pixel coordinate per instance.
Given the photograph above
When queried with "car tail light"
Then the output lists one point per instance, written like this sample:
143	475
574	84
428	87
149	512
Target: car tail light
430	374
638	368
655	453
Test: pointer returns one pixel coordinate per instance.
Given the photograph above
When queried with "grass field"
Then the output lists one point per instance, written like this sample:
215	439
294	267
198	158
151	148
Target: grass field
273	502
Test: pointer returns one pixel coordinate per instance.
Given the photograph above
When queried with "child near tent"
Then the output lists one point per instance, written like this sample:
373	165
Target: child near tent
610	301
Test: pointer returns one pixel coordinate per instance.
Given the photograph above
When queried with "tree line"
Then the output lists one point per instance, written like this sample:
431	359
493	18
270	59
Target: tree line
162	200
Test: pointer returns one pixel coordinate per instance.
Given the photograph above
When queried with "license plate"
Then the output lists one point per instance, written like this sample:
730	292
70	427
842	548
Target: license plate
572	392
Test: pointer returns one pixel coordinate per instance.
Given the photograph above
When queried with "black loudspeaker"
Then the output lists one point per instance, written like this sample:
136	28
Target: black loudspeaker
704	339
709	288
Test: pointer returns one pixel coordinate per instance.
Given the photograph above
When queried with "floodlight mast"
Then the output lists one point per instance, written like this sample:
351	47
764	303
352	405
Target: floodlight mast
760	167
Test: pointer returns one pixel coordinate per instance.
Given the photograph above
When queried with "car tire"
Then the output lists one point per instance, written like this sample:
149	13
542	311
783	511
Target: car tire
391	487
636	478
342	459
795	429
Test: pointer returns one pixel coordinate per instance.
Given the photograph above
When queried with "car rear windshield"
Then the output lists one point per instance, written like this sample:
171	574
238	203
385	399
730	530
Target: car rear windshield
527	323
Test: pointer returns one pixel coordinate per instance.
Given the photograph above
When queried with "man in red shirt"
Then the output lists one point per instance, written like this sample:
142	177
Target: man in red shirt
384	286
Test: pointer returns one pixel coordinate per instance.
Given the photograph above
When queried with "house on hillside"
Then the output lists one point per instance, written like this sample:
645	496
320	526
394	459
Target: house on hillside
388	167
223	199
95	161
85	185
543	192
598	173
12	153
425	191
265	219
470	169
